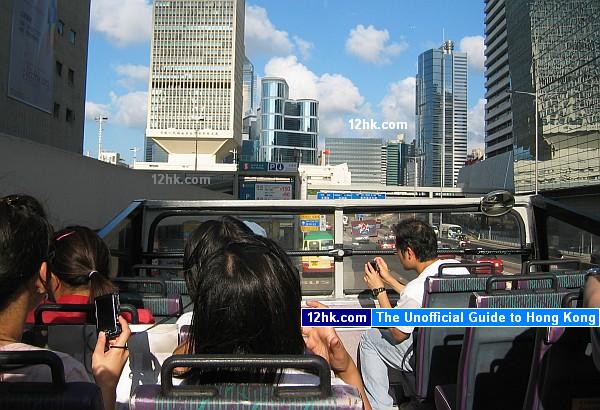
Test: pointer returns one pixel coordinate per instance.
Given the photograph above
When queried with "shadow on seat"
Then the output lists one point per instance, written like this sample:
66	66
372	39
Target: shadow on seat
53	395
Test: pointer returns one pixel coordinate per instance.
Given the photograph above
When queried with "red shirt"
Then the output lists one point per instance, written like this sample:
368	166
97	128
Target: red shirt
144	315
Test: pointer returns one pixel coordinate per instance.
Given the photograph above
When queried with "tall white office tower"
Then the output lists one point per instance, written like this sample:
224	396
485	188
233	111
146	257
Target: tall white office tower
195	87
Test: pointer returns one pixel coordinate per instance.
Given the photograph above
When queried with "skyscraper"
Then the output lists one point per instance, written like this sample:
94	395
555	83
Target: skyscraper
545	51
289	129
397	160
441	116
195	87
248	88
363	156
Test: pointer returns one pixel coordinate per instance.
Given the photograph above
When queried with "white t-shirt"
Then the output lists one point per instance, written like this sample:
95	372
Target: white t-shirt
74	370
412	295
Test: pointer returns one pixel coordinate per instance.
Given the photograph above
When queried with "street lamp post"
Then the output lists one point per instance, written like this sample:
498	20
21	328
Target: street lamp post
535	164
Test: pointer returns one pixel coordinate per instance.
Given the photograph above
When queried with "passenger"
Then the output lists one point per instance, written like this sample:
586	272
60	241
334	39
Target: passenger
416	244
208	238
80	272
248	301
591	298
25	241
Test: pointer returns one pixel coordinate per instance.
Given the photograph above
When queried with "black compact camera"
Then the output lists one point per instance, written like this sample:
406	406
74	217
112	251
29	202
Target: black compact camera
107	312
374	265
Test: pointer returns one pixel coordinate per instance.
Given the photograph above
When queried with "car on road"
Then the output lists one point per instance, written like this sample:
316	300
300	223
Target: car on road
498	265
387	243
463	240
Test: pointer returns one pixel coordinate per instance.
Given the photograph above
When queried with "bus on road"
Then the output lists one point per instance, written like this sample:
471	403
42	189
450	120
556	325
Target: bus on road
450	231
317	241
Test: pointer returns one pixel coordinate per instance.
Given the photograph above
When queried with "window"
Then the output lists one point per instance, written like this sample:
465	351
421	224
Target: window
56	110
71	77
70	116
60	27
59	68
72	35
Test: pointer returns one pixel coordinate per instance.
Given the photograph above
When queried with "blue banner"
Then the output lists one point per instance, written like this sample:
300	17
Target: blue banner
429	317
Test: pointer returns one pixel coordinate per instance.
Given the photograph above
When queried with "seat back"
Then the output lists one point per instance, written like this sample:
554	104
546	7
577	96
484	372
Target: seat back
437	349
246	395
495	361
53	395
566	280
562	372
165	306
144	286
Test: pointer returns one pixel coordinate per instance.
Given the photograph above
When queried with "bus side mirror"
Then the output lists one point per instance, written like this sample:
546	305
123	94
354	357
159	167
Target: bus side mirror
497	203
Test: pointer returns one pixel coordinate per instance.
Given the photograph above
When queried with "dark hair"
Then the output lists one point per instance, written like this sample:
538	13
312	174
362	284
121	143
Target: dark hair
26	202
209	237
25	239
248	302
82	260
417	235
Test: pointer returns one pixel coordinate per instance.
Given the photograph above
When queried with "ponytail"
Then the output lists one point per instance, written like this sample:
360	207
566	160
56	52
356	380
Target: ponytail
82	260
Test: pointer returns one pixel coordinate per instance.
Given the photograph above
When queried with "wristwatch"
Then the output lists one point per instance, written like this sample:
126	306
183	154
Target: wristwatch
377	291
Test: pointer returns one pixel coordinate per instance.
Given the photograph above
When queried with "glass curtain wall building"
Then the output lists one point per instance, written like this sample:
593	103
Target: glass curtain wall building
289	129
248	88
195	86
565	49
363	156
441	114
397	159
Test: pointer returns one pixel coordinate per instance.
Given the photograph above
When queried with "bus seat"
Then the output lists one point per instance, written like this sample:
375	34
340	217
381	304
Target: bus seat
562	372
54	395
567	280
144	286
165	306
176	285
495	362
246	395
437	349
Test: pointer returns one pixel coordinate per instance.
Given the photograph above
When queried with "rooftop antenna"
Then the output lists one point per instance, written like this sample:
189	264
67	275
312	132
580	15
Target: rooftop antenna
100	119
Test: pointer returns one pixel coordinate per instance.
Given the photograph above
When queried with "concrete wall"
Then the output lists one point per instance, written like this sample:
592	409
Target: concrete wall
22	120
81	190
488	175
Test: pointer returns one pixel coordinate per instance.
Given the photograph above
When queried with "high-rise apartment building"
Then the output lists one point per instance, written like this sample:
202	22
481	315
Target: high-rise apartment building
248	88
195	88
289	129
43	70
441	114
363	156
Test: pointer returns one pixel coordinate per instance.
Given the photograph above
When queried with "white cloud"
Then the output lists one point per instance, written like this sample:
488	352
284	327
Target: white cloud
304	47
122	22
130	109
399	104
371	45
474	47
337	95
93	110
476	126
133	71
261	36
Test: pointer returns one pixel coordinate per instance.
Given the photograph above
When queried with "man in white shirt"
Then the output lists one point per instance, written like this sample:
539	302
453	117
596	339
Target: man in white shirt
416	244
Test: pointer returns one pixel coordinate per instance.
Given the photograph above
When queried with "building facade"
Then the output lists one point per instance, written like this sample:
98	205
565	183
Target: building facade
289	129
248	88
43	75
195	87
363	156
397	160
441	114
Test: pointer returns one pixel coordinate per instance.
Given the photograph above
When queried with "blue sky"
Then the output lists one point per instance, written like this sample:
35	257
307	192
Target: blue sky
358	58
